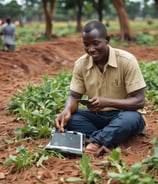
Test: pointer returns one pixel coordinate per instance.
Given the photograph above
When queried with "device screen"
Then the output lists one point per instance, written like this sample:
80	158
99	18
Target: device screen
84	102
66	140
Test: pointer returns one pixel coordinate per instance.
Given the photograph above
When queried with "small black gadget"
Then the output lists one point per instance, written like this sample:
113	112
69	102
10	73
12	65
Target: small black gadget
84	102
67	143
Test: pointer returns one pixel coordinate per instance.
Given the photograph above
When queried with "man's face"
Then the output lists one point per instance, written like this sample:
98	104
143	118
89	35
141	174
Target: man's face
94	45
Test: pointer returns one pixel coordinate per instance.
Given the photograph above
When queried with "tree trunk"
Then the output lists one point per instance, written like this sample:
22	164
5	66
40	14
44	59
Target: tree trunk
156	4
98	6
48	7
123	19
79	15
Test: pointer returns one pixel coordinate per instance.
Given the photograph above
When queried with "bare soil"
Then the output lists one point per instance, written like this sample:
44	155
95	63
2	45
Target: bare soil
28	64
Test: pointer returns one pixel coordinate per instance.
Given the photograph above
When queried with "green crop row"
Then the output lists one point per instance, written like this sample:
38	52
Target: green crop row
114	169
39	104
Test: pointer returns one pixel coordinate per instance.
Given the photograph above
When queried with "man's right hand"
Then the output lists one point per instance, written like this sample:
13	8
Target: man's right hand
70	107
61	120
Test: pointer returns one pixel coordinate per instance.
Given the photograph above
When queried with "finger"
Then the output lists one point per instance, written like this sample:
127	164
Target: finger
62	127
57	125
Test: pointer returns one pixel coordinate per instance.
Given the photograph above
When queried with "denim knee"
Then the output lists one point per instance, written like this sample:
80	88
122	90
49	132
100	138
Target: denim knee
120	129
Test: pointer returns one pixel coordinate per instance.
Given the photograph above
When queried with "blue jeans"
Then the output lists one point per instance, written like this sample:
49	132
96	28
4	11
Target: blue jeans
108	128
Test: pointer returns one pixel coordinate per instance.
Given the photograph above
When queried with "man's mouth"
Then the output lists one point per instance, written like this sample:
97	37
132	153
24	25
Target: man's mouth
94	54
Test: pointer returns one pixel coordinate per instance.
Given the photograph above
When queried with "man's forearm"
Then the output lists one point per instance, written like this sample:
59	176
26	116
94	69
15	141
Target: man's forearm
131	103
71	104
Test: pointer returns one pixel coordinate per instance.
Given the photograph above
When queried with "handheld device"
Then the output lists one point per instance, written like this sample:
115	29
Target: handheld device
84	102
67	143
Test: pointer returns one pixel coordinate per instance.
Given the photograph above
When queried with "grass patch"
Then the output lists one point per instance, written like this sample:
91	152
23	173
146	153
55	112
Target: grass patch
34	32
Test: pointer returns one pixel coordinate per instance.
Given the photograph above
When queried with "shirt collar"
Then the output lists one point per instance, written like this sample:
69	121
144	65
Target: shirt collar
111	60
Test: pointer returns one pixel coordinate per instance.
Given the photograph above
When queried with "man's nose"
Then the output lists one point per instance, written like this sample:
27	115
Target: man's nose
91	49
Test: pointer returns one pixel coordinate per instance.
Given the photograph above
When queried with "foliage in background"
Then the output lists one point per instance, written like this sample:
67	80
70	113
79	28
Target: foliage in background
150	73
145	38
12	10
33	32
29	34
31	10
142	38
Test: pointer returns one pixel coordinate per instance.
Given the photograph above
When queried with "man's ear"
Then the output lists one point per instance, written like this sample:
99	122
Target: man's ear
107	39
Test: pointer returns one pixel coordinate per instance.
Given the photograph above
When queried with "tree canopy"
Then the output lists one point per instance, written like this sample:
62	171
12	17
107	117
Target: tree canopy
67	10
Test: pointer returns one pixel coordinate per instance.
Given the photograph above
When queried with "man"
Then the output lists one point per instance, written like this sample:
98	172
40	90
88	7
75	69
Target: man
115	87
8	31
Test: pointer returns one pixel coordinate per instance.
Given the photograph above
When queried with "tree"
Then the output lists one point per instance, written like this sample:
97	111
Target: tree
123	19
76	8
98	6
79	15
48	8
12	10
136	6
156	4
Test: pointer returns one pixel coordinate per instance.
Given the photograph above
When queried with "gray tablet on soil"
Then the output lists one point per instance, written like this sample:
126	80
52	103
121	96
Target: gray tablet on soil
69	142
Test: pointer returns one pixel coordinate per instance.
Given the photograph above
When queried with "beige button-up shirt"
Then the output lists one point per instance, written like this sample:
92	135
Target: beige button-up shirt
121	76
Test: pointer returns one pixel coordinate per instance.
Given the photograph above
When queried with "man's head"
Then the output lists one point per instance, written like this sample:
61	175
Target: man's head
95	25
8	20
95	40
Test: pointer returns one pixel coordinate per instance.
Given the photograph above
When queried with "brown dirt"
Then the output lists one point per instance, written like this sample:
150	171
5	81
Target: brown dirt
29	64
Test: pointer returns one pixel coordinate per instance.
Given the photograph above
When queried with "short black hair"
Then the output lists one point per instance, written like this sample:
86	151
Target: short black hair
94	24
8	20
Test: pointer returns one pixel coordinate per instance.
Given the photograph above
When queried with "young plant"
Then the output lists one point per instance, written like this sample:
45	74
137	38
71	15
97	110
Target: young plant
142	172
38	105
89	176
151	162
25	159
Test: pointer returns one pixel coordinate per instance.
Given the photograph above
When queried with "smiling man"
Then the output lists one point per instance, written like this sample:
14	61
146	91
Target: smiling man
114	84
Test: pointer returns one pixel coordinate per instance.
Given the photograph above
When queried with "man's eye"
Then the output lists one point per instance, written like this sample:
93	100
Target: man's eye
95	43
86	45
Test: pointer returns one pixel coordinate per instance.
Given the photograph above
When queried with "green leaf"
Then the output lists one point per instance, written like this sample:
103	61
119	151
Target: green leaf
41	159
10	160
85	167
136	166
73	179
7	140
115	154
21	150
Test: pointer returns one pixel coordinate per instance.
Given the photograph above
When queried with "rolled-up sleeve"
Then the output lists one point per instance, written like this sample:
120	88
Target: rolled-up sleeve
77	82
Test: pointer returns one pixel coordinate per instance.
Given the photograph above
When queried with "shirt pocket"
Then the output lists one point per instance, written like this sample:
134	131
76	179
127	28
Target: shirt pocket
118	89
